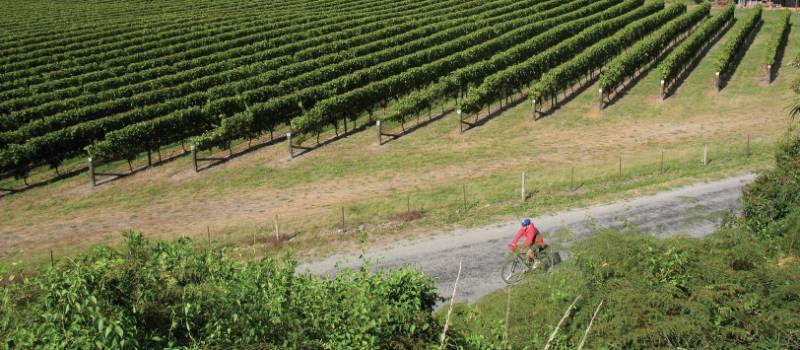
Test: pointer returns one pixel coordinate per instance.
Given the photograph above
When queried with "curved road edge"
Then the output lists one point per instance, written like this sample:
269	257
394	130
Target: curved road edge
692	210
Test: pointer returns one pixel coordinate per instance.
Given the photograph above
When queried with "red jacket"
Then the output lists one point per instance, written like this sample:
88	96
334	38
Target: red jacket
532	235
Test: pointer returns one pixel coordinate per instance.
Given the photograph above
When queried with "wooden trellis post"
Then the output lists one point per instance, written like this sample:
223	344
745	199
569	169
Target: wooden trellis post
600	99
380	132
92	177
289	141
194	158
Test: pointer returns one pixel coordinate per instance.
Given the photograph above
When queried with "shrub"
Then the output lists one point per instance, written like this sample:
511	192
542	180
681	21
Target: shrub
775	193
174	294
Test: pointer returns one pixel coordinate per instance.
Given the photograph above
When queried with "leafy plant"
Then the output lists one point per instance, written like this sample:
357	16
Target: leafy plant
735	41
177	294
683	54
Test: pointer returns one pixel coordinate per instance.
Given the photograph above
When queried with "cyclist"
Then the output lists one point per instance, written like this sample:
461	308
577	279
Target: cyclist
533	239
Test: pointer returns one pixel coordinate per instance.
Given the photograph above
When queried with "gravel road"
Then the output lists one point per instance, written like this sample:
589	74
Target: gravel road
691	210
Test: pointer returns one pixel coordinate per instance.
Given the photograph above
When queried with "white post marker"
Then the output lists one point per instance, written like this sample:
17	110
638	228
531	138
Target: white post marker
91	172
378	125
289	140
600	98
194	158
460	120
523	186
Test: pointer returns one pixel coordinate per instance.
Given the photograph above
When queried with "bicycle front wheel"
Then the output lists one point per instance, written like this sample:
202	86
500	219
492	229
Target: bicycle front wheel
514	268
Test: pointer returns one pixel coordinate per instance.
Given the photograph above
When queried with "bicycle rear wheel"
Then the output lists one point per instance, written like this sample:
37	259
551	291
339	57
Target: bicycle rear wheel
514	268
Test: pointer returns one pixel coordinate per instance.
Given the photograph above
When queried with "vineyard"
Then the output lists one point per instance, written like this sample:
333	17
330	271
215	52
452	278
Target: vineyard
116	87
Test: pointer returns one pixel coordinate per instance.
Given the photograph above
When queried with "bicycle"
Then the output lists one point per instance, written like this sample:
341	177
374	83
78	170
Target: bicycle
517	264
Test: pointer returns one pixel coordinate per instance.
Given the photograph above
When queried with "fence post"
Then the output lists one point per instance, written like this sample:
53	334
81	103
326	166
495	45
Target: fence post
194	158
91	172
149	159
291	150
747	150
380	131
600	99
620	166
717	81
523	186
663	90
460	120
343	223
662	161
705	154
572	179
277	231
533	108
464	190
769	74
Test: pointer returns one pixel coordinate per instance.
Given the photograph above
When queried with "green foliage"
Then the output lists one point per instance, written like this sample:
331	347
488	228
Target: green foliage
646	50
738	288
777	41
735	41
533	40
594	57
221	89
774	194
728	290
568	42
180	295
684	53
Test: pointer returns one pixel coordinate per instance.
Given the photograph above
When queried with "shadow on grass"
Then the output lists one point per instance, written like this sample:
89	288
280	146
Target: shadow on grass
111	177
670	89
479	121
307	149
394	136
776	69
9	191
737	59
569	97
612	99
215	161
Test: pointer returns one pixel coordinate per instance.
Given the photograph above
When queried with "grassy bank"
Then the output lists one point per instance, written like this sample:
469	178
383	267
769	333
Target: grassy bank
737	288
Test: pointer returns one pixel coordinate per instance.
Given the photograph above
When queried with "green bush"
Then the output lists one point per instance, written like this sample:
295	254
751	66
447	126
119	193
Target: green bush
775	193
177	295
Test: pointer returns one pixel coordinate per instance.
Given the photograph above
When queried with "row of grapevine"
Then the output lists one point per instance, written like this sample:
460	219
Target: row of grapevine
189	77
264	120
104	79
71	140
212	79
777	40
645	51
464	35
49	27
123	44
353	103
736	39
594	57
116	79
518	76
121	63
58	35
109	31
457	81
684	53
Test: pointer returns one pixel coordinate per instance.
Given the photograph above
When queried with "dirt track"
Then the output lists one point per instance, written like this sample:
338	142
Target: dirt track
692	210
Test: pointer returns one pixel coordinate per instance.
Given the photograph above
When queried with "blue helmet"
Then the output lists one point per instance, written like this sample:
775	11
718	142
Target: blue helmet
526	222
